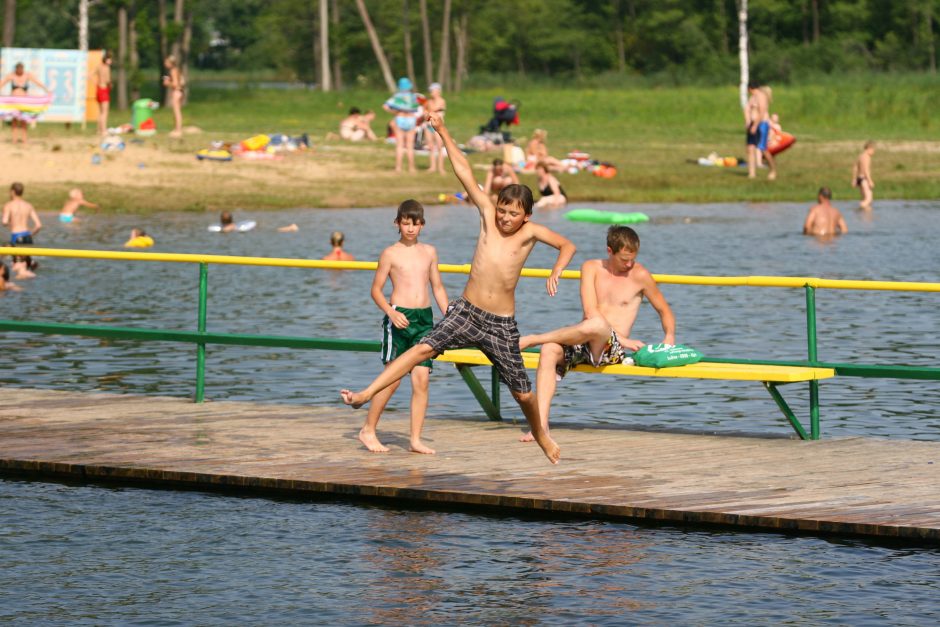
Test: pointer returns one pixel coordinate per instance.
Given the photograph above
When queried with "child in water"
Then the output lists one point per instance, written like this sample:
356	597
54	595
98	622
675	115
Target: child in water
70	208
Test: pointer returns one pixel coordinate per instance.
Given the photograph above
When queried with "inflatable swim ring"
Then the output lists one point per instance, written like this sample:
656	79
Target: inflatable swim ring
606	217
241	227
26	108
779	142
141	241
213	155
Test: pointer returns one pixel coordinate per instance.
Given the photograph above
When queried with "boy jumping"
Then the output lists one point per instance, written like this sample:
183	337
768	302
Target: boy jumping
483	317
408	318
611	292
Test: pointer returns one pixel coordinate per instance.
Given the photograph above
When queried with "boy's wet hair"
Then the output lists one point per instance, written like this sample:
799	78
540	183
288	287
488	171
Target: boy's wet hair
516	194
825	192
17	188
336	238
354	111
225	218
620	237
410	210
498	162
868	144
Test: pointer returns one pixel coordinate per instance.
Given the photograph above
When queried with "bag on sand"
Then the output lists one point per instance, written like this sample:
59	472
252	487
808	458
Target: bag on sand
666	356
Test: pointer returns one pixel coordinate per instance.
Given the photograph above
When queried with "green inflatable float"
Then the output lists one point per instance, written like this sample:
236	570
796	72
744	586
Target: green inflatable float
606	217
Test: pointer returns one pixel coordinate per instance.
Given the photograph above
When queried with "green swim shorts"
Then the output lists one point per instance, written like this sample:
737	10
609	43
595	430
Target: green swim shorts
396	341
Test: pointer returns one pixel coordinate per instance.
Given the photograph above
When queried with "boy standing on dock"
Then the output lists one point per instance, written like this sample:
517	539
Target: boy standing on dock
411	266
483	317
612	290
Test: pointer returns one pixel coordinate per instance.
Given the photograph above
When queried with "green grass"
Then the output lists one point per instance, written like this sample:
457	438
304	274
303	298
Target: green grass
649	133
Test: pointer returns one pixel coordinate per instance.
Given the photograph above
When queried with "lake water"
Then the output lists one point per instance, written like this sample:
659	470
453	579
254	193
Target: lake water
897	242
90	555
97	555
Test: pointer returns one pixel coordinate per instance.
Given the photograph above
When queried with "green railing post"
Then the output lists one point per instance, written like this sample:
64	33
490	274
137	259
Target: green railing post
812	355
201	328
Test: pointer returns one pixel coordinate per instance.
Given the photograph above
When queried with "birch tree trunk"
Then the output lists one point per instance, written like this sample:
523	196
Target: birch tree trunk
462	43
122	58
9	23
337	68
742	50
83	25
376	45
406	27
426	35
443	67
176	47
133	56
326	81
185	47
618	37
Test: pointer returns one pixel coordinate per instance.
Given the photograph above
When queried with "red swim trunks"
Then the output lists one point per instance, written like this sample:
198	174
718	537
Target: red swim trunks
104	94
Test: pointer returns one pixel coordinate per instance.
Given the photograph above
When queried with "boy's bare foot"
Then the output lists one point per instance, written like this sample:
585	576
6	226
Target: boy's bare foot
528	437
371	442
354	399
550	448
417	446
772	176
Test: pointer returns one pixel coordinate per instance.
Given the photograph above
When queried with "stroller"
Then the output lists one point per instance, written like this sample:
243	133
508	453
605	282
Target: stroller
504	114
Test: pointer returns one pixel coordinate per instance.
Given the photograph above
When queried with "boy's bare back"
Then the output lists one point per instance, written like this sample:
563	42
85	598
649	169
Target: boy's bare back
17	214
824	220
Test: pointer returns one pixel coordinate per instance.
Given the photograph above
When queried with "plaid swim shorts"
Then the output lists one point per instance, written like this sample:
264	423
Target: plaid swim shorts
613	353
496	336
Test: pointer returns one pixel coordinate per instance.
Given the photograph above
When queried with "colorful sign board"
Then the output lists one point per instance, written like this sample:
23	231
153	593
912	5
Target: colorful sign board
65	73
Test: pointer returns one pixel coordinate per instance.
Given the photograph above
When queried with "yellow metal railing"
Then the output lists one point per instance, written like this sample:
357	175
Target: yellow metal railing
678	279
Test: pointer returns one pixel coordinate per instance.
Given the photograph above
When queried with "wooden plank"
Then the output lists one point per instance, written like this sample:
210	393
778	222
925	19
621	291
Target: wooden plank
863	486
702	370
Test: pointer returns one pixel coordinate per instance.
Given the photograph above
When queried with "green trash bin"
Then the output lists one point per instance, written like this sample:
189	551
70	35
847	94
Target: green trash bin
142	116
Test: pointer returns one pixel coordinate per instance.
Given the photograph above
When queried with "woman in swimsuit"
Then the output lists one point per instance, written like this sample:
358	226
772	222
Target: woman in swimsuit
537	152
404	104
553	194
498	177
19	80
435	104
174	82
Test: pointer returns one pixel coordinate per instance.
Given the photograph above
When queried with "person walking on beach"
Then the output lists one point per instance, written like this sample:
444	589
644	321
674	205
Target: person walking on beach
404	104
173	80
435	104
757	121
411	266
861	175
612	290
17	215
337	254
824	220
103	91
483	317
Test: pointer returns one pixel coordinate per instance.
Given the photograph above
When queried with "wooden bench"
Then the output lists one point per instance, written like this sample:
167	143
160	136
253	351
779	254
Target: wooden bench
770	376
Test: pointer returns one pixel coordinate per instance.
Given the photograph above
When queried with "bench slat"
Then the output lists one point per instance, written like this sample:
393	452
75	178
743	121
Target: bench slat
701	370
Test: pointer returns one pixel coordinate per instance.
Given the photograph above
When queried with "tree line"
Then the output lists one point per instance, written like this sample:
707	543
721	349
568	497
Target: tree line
338	43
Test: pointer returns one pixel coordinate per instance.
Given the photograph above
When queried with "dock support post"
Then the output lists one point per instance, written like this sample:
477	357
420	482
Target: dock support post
812	354
479	392
785	408
201	328
494	389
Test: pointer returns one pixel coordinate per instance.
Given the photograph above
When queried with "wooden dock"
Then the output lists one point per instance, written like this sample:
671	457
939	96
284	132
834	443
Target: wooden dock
861	486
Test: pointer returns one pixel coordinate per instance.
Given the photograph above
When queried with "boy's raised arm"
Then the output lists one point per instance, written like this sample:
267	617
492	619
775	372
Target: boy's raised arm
460	164
566	250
